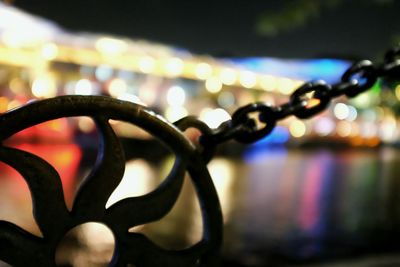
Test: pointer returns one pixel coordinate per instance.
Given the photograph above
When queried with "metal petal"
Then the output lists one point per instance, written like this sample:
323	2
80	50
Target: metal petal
49	209
153	206
18	247
92	197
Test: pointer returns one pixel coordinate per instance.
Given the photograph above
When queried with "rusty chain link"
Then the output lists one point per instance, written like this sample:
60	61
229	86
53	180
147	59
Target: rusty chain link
254	121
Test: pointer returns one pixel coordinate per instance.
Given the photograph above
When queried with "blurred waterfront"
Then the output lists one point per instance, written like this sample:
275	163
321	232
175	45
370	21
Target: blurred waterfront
282	207
317	192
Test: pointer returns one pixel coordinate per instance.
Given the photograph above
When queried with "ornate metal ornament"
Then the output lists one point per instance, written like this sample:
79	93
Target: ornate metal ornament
21	248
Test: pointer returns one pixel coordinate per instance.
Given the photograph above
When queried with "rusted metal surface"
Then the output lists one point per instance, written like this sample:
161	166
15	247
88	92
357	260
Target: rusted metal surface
21	248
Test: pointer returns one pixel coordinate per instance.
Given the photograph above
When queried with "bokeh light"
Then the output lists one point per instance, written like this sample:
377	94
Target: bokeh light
297	128
214	117
341	111
176	96
213	85
203	71
84	87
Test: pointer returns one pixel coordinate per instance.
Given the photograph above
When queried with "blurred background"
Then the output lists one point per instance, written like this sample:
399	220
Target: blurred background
317	192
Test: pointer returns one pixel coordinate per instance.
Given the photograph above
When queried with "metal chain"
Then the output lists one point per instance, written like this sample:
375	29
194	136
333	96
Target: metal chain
305	102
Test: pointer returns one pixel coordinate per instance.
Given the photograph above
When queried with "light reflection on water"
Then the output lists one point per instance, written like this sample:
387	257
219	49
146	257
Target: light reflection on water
313	204
295	205
304	204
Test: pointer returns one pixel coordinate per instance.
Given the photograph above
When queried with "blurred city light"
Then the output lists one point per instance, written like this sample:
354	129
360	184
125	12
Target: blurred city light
103	73
117	87
146	64
50	51
174	113
137	181
203	71
268	83
247	79
174	66
84	87
44	87
341	111
176	96
324	126
228	76
131	98
221	171
285	86
213	85
214	117
344	128
111	46
297	128
352	116
226	99
388	129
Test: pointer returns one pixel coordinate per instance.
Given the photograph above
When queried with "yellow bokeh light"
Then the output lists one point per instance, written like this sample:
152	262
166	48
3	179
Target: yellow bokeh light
117	87
174	67
17	86
174	113
341	111
286	86
17	38
50	51
203	71
44	87
248	79
344	128
176	96
147	94
228	76
84	87
147	64
213	85
297	129
268	83
214	117
110	46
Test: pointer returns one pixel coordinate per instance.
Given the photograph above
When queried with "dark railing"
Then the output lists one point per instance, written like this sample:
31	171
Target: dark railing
21	248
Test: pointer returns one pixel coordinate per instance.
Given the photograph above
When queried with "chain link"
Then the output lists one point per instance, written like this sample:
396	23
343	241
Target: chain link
319	100
254	121
360	77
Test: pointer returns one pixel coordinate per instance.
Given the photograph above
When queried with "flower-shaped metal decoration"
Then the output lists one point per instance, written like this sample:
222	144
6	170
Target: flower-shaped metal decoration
21	248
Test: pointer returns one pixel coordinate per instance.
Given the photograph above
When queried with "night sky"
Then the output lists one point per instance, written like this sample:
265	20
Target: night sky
286	29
